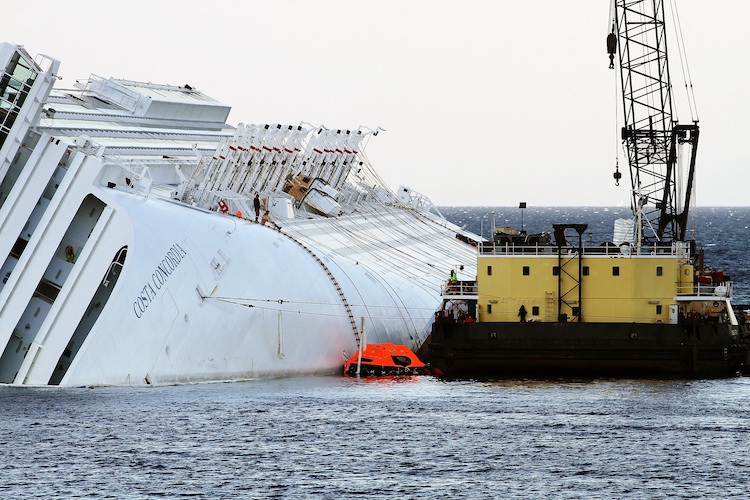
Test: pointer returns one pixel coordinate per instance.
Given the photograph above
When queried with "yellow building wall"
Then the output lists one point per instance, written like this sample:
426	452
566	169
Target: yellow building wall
633	295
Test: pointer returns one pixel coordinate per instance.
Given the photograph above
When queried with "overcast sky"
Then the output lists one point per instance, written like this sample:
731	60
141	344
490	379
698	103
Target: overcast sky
485	103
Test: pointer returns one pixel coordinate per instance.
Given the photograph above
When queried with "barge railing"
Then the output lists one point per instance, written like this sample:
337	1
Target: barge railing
679	249
459	288
722	290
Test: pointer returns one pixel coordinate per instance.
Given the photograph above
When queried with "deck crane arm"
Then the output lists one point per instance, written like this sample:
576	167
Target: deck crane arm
661	153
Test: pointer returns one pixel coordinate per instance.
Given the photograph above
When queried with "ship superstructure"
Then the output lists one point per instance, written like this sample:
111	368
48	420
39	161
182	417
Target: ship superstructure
131	253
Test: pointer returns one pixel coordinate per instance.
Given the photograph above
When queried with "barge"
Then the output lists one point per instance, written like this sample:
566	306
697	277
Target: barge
642	304
556	309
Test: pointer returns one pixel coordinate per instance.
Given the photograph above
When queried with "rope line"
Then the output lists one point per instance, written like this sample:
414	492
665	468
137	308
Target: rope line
316	313
240	300
685	66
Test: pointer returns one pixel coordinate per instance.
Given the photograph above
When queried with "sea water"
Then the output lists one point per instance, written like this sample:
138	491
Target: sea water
333	437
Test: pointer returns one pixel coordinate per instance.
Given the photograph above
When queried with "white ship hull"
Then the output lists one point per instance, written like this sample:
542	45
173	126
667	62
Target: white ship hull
161	291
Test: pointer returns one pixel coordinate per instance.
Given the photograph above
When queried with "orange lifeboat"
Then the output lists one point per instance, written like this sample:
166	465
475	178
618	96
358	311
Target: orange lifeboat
385	359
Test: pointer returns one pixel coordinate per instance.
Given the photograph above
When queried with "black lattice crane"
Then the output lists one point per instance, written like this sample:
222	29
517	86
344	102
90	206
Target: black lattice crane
661	152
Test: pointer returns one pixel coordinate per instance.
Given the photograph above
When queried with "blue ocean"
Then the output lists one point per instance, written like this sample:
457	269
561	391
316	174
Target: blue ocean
332	437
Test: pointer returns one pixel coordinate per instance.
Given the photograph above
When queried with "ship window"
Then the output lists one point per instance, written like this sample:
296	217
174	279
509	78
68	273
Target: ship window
526	270
18	248
659	270
615	270
535	310
489	308
489	270
585	270
556	271
576	311
658	309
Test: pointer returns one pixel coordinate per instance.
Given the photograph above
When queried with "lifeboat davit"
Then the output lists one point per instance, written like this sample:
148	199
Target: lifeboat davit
385	359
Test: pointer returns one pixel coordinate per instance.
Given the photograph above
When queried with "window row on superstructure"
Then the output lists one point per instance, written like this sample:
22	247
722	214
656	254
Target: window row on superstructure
15	84
50	218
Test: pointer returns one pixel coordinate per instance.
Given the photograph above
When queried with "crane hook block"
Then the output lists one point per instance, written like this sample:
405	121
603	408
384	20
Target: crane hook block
611	48
617	175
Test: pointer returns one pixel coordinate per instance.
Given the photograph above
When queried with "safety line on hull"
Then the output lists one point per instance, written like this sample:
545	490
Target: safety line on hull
239	302
367	238
384	232
236	300
407	318
336	284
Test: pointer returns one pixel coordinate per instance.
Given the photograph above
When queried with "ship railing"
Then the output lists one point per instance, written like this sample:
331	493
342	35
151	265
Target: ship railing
44	62
137	175
459	288
110	90
723	289
417	201
679	249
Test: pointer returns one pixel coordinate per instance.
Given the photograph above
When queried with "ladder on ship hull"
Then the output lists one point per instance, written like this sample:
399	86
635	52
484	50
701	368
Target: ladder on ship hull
335	282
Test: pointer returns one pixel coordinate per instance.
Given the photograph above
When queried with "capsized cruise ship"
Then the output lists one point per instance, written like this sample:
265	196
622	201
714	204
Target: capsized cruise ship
130	252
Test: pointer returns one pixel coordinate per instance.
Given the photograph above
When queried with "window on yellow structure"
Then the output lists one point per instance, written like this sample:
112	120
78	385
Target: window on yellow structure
489	308
585	270
615	270
556	271
658	309
659	270
526	270
535	310
489	270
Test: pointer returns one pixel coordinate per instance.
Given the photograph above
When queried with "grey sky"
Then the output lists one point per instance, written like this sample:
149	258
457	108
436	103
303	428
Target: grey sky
483	102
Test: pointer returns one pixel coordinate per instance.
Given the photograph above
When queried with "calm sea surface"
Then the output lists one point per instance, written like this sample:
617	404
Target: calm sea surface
331	437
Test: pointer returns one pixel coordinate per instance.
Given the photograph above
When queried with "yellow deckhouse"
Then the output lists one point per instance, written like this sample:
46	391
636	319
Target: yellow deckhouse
595	284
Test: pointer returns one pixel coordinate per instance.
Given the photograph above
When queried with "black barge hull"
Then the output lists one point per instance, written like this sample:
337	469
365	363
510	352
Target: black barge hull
589	349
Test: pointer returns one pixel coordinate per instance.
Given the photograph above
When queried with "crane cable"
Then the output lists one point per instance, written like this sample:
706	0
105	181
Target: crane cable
611	21
617	175
690	94
686	76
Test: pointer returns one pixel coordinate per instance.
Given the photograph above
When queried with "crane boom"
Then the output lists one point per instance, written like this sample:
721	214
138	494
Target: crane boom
661	152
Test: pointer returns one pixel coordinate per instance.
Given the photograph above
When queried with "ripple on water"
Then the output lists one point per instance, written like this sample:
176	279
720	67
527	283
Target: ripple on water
333	437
